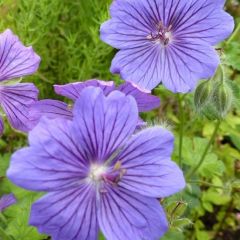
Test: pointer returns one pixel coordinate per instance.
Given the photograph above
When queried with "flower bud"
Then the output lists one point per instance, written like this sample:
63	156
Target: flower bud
210	112
202	94
223	99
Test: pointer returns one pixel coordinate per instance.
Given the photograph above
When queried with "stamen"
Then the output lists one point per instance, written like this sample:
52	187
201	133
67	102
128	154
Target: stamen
162	34
117	165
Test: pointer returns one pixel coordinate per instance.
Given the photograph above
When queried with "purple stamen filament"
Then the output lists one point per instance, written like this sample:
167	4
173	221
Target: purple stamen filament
162	34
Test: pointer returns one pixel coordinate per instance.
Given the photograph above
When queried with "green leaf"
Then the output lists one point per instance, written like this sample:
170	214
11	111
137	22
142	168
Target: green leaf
202	235
215	198
208	206
181	223
233	55
18	226
211	166
193	149
173	235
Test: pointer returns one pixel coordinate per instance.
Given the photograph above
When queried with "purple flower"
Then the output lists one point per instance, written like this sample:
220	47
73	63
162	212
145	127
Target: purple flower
16	61
168	41
99	175
145	101
6	201
55	109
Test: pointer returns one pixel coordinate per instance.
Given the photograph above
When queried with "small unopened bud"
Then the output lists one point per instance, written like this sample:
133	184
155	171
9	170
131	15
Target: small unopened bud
223	98
203	94
210	112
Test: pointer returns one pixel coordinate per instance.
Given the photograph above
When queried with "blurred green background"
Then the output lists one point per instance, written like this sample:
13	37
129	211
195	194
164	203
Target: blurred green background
65	33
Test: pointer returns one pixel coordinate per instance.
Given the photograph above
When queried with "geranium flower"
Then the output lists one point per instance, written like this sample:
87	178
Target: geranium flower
55	109
6	201
145	101
99	175
166	41
16	61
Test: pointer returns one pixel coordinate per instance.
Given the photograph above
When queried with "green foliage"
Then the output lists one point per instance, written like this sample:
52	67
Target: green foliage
18	215
232	59
65	33
14	220
66	36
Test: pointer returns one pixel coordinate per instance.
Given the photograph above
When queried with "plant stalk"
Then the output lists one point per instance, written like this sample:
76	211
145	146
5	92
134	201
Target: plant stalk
194	170
181	128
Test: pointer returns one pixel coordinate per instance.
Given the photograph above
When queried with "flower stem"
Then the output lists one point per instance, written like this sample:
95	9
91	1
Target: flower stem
193	171
181	128
223	220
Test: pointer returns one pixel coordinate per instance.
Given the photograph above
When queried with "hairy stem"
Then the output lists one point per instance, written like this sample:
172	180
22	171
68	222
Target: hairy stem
223	220
181	127
193	171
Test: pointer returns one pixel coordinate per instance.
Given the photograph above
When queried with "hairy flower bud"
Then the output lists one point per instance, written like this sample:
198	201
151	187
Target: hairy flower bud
202	94
223	99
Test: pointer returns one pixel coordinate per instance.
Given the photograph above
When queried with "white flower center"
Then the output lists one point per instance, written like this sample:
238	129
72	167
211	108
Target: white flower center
96	172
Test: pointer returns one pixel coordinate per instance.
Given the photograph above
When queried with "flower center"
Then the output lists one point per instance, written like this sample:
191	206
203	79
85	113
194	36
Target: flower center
102	174
96	172
162	35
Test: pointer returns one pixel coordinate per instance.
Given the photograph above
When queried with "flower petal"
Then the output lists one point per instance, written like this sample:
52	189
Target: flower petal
73	90
141	65
145	101
186	62
6	201
1	126
15	101
49	108
103	124
127	215
205	20
130	25
16	60
53	161
148	168
179	66
67	215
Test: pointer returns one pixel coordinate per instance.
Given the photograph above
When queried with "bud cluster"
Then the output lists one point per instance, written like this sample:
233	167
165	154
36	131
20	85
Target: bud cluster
214	98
